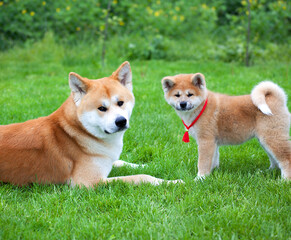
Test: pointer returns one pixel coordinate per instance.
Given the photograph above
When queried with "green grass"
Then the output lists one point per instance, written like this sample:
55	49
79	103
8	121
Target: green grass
241	200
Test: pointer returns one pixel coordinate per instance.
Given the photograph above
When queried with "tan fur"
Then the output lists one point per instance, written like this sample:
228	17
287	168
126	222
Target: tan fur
232	119
59	148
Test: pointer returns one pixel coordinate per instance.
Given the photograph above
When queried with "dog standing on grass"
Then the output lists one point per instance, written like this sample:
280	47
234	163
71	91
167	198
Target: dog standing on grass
214	119
77	144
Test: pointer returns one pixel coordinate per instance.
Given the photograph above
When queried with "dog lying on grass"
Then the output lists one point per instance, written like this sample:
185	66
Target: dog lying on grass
214	119
77	144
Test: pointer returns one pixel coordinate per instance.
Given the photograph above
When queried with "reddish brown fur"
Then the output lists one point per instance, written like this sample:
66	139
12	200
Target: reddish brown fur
49	149
40	150
59	148
232	120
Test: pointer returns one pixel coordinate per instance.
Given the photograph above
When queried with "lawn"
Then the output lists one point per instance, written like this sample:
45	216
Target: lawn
241	200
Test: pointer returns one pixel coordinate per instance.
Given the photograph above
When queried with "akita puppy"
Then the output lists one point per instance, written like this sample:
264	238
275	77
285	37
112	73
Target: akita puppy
214	119
79	142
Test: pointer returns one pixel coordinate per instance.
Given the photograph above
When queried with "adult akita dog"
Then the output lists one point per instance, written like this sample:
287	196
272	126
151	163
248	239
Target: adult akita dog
79	142
214	119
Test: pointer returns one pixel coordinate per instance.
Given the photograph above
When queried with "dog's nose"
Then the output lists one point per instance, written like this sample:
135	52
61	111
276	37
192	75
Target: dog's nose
183	105
120	122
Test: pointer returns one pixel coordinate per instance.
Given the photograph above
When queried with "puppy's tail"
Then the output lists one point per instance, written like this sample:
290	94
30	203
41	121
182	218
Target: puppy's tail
264	89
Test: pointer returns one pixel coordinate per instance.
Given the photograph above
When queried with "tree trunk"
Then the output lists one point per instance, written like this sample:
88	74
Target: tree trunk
247	59
105	34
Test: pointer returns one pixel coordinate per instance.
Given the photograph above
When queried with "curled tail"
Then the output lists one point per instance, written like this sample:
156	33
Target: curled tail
264	89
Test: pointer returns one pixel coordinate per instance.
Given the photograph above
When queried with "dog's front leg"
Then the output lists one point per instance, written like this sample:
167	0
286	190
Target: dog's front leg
141	178
134	179
207	149
120	163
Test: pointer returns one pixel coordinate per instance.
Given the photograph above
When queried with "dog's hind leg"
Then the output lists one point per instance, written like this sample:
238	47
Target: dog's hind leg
121	163
273	161
279	148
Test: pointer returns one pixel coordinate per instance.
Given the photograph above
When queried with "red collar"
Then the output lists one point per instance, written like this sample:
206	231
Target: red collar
186	134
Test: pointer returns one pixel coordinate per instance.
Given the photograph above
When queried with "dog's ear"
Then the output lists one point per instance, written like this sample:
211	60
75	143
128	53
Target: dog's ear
167	83
78	87
123	75
198	80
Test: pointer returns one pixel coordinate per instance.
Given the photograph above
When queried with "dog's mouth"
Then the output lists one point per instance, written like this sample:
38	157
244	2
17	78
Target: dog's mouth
118	130
186	109
184	106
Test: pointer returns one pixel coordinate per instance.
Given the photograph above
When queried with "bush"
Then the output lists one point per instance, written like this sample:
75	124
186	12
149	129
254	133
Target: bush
70	20
150	26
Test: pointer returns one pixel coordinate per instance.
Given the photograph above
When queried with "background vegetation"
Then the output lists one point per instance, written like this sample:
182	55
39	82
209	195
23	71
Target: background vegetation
42	41
154	29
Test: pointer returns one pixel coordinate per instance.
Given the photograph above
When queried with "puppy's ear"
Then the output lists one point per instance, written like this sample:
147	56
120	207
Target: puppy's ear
78	87
123	75
198	80
167	83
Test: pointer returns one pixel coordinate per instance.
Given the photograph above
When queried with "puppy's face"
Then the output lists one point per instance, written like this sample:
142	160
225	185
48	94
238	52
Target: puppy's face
104	106
184	92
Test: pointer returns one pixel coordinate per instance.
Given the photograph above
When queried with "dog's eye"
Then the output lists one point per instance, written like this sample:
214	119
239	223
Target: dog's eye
102	109
190	95
177	95
120	103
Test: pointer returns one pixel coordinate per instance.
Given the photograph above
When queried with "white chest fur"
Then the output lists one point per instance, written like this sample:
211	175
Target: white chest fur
103	153
109	148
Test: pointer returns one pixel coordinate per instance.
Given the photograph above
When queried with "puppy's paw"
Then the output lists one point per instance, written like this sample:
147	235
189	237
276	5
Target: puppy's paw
199	178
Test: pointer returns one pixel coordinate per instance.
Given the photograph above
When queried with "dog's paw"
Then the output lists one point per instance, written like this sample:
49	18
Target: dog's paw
175	181
121	163
133	165
199	178
159	181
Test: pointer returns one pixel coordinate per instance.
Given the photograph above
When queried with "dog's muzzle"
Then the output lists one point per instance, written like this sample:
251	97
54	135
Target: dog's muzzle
120	123
184	106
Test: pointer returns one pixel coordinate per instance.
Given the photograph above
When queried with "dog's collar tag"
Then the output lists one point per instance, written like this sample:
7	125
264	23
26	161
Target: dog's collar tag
186	134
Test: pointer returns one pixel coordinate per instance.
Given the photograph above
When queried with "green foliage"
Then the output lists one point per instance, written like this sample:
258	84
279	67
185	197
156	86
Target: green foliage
177	19
70	20
75	20
153	48
269	20
150	24
269	23
240	200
